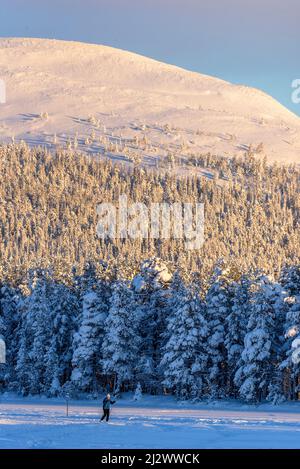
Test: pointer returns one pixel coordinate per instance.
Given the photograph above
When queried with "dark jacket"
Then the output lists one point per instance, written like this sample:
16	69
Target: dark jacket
107	403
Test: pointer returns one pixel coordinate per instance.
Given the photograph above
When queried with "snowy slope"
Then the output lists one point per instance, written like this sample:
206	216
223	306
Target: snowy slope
153	423
116	96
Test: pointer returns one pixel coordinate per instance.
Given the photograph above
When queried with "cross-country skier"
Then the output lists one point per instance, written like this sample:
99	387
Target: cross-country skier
107	403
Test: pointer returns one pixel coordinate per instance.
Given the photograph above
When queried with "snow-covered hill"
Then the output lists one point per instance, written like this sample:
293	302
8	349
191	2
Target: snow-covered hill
113	99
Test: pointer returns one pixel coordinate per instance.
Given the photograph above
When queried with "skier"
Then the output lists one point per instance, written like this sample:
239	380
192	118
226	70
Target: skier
107	403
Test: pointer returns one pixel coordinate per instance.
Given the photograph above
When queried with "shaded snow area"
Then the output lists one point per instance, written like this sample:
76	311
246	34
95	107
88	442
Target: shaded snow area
153	422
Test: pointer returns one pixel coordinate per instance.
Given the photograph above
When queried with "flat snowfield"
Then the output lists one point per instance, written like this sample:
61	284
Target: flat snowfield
150	423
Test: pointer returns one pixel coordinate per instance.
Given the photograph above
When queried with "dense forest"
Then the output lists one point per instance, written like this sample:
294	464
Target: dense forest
48	214
79	314
238	340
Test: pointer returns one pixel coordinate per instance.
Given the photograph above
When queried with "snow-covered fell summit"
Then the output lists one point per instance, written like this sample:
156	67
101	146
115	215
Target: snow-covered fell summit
59	91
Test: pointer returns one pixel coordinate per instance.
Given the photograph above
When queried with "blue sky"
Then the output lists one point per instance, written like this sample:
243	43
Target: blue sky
250	42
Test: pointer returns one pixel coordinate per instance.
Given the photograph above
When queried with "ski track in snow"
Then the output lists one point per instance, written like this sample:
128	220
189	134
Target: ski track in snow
35	423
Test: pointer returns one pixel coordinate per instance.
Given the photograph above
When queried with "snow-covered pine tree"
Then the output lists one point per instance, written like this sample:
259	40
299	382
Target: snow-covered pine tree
291	367
9	298
2	327
184	360
120	345
138	393
259	376
87	343
34	334
2	346
64	311
290	279
236	327
218	307
152	293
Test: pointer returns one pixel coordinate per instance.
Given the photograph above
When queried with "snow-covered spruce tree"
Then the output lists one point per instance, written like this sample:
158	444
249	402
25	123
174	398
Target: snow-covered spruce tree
236	327
9	319
218	307
289	365
64	311
87	342
184	360
120	345
259	376
34	334
2	341
2	327
152	294
290	280
138	393
24	334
